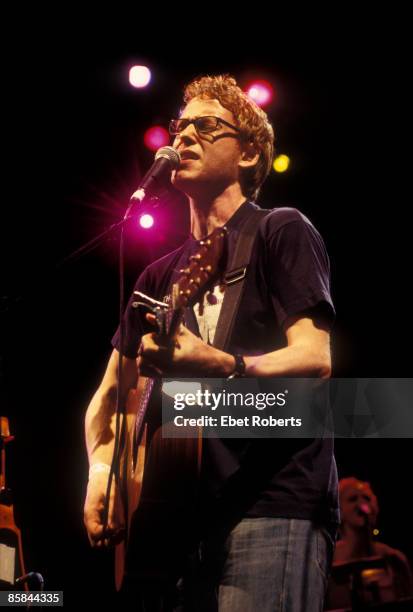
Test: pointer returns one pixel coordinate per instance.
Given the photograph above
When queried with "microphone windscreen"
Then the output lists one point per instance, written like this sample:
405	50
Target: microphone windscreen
171	154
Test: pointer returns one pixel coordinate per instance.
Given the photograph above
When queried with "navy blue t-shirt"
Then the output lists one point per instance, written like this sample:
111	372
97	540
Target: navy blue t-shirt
288	275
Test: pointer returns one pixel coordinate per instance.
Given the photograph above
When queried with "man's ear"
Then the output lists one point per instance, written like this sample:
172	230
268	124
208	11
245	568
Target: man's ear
249	156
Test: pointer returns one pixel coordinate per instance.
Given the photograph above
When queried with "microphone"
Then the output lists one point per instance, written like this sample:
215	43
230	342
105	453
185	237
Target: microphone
166	160
364	509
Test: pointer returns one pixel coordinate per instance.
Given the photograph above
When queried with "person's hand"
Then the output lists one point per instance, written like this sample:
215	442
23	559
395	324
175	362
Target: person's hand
186	355
93	513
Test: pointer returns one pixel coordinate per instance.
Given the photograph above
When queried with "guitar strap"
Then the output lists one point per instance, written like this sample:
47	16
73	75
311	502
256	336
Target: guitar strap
234	279
234	284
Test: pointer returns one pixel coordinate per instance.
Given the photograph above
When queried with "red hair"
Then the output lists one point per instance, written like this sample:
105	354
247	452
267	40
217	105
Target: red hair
249	118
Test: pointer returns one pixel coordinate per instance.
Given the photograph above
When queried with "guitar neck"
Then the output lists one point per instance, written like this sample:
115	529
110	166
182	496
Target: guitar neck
171	321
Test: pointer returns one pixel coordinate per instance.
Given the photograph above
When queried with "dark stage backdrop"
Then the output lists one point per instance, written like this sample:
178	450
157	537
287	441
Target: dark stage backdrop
74	154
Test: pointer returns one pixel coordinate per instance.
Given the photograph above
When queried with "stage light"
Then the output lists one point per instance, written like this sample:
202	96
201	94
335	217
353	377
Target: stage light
261	92
139	76
281	163
156	137
146	221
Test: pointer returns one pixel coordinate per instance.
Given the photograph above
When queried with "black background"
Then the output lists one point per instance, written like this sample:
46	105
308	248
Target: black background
73	154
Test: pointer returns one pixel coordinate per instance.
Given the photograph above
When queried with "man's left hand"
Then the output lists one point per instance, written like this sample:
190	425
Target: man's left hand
186	355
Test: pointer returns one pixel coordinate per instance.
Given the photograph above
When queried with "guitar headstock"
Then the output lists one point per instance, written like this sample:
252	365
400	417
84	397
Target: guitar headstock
201	267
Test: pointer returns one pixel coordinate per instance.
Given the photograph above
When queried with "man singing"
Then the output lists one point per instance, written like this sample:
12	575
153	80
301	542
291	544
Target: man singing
269	510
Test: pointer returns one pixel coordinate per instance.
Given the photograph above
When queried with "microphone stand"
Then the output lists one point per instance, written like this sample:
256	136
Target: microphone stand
94	243
83	250
119	439
137	198
366	535
356	580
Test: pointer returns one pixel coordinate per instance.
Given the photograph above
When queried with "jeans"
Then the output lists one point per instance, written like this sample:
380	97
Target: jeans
262	565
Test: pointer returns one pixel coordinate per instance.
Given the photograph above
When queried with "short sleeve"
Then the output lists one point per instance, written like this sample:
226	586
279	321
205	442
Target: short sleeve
134	319
298	270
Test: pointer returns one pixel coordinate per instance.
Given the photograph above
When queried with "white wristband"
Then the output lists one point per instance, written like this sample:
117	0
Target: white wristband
97	468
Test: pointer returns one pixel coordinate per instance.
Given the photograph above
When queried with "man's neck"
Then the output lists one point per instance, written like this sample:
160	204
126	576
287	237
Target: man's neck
208	214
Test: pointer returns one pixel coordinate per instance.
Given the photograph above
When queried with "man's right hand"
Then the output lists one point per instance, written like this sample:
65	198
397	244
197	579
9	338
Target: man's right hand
93	513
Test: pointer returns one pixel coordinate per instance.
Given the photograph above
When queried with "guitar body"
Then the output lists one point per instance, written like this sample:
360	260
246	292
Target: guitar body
160	476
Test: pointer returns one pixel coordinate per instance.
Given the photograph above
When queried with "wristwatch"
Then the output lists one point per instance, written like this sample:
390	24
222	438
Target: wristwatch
239	369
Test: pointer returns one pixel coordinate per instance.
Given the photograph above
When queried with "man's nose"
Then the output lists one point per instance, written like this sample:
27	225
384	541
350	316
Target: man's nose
188	135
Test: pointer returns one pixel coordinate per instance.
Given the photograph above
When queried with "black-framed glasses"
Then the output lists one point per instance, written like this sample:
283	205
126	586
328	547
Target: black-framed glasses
203	125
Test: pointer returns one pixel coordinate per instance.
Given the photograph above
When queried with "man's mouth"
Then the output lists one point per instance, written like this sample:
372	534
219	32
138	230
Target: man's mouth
185	155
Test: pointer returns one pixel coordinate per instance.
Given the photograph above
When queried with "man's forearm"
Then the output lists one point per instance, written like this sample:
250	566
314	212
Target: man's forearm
296	360
100	421
100	425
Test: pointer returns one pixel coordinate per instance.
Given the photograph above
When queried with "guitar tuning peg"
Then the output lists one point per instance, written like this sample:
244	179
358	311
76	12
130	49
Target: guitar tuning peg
186	292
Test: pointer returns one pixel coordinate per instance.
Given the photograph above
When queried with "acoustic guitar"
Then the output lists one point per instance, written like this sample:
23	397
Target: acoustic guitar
159	475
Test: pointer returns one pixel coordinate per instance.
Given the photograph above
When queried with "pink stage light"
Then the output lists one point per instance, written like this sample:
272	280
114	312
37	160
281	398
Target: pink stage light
156	137
146	221
261	92
139	76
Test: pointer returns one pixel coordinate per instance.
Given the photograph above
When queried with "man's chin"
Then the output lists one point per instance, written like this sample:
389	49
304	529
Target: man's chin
182	179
